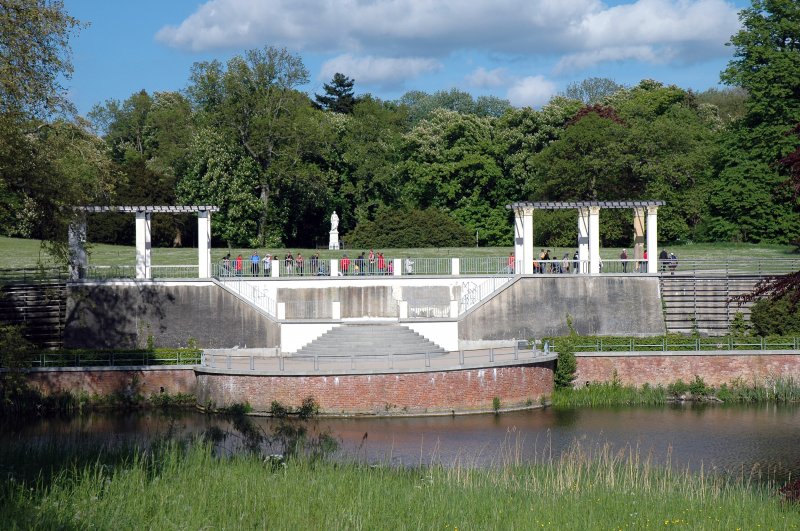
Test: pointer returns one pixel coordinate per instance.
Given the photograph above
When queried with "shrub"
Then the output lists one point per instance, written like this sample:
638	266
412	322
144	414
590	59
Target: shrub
775	317
566	365
409	228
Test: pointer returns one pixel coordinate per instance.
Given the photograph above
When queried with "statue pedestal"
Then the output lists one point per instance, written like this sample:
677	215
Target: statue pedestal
333	243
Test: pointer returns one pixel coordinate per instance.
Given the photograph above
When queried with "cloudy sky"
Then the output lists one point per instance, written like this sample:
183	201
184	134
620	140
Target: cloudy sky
522	50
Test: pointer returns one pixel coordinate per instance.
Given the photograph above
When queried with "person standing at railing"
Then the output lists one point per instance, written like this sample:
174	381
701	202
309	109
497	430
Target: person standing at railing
255	260
643	263
624	257
371	261
267	264
288	262
238	266
663	256
565	263
381	264
299	261
409	266
510	264
576	262
344	265
315	263
226	265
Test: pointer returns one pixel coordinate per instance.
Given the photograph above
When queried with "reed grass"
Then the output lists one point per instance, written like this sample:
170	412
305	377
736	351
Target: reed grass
177	486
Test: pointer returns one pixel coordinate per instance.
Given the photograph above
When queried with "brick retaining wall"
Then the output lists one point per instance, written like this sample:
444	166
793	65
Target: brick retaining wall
468	390
106	381
638	368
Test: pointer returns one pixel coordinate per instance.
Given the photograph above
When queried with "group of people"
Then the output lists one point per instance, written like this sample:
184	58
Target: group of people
256	266
551	264
363	264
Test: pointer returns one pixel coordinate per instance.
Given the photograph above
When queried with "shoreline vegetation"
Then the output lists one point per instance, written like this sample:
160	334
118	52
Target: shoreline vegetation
584	488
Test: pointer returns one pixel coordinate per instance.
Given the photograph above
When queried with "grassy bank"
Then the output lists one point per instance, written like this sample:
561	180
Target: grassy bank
613	393
190	488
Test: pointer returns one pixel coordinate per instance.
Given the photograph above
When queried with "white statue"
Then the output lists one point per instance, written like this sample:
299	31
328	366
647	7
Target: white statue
334	222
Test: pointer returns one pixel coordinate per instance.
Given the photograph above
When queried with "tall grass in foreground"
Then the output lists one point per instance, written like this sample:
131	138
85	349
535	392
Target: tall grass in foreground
187	487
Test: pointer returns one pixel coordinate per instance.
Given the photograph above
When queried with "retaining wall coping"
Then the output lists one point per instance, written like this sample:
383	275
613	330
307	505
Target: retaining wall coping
104	368
686	353
199	369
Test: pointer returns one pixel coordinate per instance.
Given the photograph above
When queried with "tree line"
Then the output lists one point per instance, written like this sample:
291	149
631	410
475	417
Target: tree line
278	161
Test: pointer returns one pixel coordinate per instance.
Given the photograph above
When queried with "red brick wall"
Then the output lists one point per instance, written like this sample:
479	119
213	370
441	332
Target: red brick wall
105	381
665	369
381	394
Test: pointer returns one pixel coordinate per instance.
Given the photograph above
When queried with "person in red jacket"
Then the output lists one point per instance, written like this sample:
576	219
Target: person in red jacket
345	263
381	264
239	266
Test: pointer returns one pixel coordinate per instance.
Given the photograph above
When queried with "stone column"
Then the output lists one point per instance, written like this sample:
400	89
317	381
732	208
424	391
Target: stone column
583	239
594	240
275	270
527	241
397	266
334	267
519	252
638	238
77	247
652	239
204	244
455	266
143	244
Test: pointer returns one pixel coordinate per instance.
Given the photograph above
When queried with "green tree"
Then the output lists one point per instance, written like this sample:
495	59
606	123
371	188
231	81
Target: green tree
253	100
421	105
339	96
592	90
749	201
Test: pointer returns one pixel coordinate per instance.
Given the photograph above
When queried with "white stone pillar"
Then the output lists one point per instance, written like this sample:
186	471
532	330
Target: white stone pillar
143	244
275	270
594	240
397	266
519	252
454	309
527	241
77	247
638	240
334	267
583	240
455	266
204	244
652	239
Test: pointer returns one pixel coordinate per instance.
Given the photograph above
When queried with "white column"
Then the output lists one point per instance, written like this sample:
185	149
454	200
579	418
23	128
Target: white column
334	267
527	241
583	239
594	240
204	244
275	270
518	249
455	266
143	244
652	239
397	267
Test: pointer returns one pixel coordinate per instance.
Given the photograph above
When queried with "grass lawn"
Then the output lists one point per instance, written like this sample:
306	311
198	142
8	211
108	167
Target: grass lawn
16	252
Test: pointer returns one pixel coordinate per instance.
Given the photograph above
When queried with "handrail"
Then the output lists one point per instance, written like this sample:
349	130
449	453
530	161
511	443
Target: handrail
696	344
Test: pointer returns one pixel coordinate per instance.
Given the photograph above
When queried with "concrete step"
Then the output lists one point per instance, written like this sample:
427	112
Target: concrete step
369	340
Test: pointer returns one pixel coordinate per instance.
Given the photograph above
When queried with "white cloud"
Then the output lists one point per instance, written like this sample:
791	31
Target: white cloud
531	91
384	71
482	78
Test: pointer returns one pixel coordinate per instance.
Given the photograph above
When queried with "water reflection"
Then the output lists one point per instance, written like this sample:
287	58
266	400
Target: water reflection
758	441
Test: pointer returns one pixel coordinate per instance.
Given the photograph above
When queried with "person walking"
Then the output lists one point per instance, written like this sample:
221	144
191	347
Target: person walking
624	257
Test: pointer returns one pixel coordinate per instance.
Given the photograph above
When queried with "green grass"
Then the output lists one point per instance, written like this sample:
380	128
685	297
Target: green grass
175	488
16	252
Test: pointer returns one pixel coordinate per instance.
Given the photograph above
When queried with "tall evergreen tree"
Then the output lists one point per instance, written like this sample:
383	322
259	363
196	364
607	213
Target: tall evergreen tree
338	95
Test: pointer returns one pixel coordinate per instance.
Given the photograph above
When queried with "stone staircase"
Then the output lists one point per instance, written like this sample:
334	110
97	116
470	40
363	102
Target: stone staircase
369	339
700	302
39	307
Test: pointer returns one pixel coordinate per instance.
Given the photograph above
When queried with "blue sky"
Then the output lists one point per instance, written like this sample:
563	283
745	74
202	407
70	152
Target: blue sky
522	50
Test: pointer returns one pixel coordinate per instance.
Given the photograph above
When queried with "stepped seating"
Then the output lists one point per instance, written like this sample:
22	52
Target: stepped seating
369	339
701	303
39	307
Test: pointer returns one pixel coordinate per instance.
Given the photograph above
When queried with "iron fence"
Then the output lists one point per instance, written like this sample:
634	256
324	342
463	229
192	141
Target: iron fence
696	344
87	358
430	308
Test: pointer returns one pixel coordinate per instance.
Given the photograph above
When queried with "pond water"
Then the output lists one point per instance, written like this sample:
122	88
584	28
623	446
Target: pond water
759	442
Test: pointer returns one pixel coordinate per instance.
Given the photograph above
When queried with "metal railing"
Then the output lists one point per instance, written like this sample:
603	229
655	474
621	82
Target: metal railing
487	265
366	267
251	293
696	344
371	363
472	293
430	308
116	358
33	273
427	266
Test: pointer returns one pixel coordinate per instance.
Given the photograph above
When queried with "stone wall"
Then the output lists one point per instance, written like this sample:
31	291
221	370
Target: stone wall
538	305
664	368
469	390
107	381
121	315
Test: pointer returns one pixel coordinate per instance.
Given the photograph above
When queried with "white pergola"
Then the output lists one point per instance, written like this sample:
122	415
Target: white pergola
588	230
144	214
